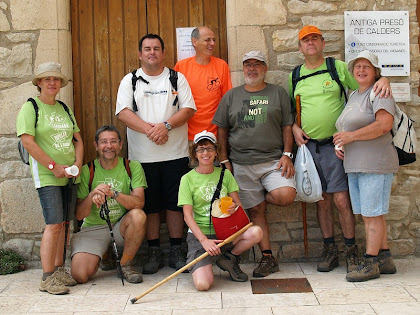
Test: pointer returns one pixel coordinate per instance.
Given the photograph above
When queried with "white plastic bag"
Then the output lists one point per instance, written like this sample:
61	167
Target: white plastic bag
308	184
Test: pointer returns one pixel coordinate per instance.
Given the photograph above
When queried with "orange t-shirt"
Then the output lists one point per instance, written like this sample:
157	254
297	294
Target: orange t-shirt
208	85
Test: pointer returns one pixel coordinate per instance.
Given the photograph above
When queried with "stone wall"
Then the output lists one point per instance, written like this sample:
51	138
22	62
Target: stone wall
272	26
35	31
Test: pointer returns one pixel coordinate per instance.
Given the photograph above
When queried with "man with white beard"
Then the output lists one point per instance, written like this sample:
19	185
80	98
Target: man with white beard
255	122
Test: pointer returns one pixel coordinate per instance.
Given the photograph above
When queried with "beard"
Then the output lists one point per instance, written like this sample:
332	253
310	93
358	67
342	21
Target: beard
254	81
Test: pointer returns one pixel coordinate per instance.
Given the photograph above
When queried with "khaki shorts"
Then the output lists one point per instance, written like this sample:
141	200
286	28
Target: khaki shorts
96	239
255	180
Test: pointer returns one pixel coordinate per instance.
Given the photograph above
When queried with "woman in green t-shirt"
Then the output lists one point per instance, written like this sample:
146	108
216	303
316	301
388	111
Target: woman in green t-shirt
49	133
195	194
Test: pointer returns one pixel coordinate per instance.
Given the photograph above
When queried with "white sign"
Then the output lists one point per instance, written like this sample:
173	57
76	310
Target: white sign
401	92
184	46
385	33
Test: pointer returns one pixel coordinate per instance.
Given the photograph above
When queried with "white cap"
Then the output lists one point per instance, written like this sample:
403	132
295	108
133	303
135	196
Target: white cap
205	135
366	54
255	54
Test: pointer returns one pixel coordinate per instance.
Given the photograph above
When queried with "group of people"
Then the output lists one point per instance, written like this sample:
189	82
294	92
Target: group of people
193	118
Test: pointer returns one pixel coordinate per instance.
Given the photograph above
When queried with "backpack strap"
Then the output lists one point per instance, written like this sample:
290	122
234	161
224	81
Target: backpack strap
173	77
91	166
334	75
134	80
35	105
66	108
216	194
128	170
295	79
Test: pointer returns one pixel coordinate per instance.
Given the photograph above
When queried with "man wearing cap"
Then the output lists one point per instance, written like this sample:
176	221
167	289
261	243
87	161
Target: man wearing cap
158	138
322	101
255	120
208	77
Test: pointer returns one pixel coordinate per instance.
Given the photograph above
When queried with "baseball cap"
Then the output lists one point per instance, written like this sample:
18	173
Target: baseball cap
308	30
255	54
205	135
366	54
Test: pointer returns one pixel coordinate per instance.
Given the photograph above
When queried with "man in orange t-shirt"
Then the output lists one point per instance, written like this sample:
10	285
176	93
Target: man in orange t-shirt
208	77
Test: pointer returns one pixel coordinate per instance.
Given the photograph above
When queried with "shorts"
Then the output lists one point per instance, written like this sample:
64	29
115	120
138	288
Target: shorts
330	168
163	180
54	203
195	250
96	239
254	180
370	193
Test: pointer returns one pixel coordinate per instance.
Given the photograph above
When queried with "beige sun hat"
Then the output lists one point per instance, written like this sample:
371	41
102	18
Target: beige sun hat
49	69
365	54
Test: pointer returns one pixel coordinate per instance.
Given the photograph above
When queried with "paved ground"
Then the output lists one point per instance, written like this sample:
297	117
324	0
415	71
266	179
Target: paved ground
104	294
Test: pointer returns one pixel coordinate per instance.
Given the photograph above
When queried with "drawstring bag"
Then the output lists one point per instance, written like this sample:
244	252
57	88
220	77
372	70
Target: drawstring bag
308	184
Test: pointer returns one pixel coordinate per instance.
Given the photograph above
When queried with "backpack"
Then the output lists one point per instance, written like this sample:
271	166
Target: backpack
173	78
91	166
403	134
24	155
331	69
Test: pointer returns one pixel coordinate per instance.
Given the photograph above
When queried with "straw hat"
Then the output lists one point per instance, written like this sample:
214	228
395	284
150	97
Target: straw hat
49	69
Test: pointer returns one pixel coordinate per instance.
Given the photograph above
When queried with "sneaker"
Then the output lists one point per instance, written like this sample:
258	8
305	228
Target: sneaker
177	258
268	264
386	263
329	258
53	286
367	270
155	261
230	263
352	258
64	277
131	272
108	261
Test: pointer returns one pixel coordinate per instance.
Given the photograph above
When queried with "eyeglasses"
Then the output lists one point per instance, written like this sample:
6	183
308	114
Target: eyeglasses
112	142
208	149
364	67
249	65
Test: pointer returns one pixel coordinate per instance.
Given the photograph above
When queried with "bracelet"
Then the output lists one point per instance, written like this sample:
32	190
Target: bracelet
224	161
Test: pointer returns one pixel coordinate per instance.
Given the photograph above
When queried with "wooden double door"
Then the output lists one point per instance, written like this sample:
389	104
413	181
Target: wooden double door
105	36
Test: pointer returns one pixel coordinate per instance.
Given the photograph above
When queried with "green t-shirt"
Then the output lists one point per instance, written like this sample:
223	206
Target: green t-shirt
118	179
198	189
53	133
321	99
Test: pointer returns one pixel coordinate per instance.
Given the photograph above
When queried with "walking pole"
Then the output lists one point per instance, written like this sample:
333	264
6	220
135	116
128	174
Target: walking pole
104	214
226	241
66	217
305	227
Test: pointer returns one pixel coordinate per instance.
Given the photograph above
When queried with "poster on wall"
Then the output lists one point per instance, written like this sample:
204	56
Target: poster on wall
184	46
386	33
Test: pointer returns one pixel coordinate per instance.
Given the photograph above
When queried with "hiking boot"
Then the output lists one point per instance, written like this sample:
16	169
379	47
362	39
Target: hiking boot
352	258
108	261
64	277
177	258
367	270
268	264
53	286
386	263
230	263
329	258
155	261
131	272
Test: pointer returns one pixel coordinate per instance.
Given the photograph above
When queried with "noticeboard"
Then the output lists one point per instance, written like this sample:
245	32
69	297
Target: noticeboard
184	45
386	33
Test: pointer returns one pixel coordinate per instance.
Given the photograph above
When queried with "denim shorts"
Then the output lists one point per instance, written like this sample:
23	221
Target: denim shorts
369	193
54	203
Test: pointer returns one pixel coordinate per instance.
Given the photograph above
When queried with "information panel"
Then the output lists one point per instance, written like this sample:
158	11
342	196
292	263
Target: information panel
386	33
185	48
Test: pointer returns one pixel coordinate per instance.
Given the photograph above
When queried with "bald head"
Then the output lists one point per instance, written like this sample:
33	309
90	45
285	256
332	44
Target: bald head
203	40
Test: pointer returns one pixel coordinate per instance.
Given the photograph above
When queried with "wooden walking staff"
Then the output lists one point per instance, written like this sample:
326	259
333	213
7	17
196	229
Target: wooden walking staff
305	227
226	241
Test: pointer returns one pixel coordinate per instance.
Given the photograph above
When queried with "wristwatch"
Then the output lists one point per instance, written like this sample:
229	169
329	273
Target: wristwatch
288	154
168	125
116	194
51	165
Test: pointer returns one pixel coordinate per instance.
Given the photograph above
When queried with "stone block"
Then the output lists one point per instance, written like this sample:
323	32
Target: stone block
3	5
285	40
278	233
34	14
353	5
4	22
294	225
314	233
408	185
21	209
14	170
398	207
300	7
414	229
11	101
6	84
296	251
402	247
8	149
16	62
21	37
282	214
325	23
47	48
289	61
256	12
20	246
278	78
